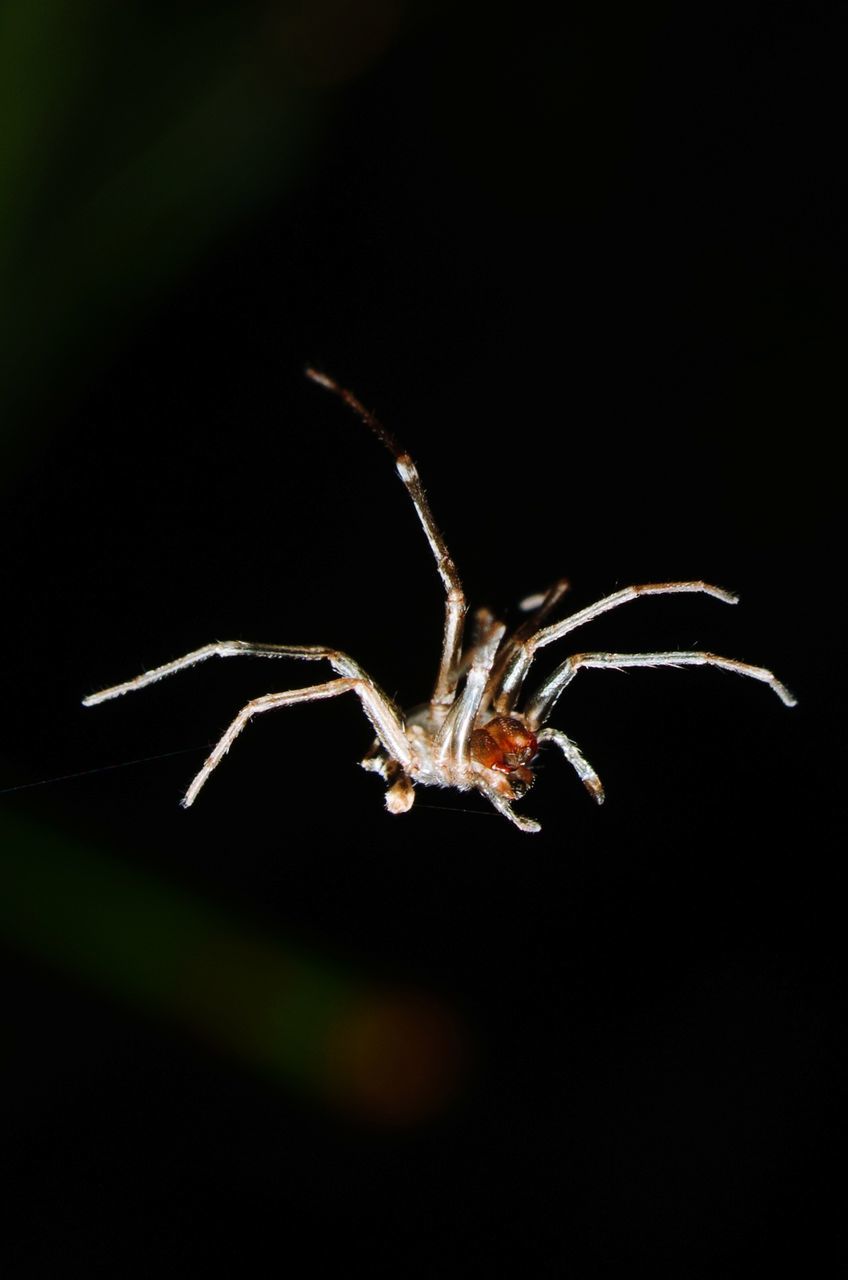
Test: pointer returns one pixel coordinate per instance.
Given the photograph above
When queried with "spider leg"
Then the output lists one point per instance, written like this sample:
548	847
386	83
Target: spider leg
503	806
364	690
452	738
483	623
577	760
268	702
379	708
516	670
538	608
542	703
455	605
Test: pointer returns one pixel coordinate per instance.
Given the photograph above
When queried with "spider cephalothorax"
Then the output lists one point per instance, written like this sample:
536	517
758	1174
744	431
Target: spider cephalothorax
506	745
478	731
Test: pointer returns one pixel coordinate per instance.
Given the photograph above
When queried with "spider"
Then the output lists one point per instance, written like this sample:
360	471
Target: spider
472	734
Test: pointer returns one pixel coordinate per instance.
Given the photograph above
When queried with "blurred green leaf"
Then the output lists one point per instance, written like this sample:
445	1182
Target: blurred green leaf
299	1019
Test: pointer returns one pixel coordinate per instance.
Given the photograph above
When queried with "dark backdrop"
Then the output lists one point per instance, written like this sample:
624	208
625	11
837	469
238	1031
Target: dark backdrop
589	265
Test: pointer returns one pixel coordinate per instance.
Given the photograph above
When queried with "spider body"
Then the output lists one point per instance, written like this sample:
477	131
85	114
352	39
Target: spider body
478	731
498	760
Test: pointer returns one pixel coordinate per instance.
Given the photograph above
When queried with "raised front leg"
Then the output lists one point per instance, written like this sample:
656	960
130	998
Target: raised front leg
455	606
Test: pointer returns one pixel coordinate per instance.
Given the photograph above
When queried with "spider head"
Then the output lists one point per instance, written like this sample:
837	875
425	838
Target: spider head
507	746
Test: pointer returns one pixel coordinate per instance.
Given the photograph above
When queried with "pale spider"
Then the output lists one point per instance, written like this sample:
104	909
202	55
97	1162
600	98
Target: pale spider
472	733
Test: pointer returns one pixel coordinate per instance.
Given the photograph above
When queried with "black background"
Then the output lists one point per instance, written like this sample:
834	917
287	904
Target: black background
590	268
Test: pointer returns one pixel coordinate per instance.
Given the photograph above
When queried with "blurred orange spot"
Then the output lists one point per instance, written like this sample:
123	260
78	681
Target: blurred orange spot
396	1060
331	41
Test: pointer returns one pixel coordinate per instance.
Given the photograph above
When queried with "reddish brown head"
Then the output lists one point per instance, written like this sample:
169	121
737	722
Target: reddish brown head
506	745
